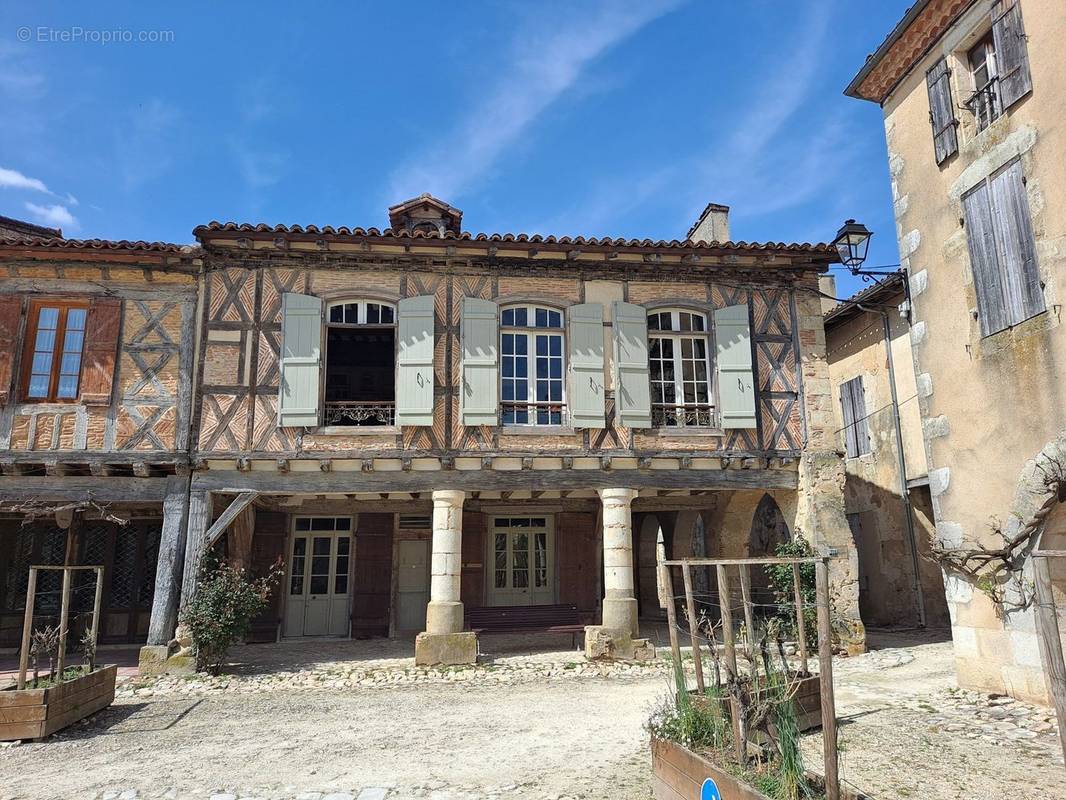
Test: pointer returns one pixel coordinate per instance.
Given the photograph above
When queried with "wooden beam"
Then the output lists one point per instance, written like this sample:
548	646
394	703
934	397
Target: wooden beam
1050	641
484	480
825	662
240	502
80	487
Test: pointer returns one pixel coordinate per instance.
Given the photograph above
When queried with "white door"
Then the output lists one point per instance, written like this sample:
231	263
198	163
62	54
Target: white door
412	584
521	552
318	602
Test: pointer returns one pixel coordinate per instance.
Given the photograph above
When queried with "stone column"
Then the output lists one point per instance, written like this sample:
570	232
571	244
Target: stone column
616	637
444	641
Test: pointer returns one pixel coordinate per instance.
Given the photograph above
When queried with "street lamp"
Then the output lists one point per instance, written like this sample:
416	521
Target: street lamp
852	242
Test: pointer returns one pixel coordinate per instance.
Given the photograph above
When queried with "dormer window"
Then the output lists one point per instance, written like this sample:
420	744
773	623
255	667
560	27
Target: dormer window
360	363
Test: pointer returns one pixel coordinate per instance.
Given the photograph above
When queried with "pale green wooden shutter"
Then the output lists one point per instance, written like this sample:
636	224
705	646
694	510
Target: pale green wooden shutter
480	347
587	408
414	364
736	379
632	391
301	360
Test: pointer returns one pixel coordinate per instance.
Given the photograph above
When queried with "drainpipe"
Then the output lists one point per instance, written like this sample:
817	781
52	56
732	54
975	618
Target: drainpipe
905	498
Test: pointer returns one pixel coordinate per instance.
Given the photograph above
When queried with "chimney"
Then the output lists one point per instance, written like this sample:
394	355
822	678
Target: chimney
712	226
827	285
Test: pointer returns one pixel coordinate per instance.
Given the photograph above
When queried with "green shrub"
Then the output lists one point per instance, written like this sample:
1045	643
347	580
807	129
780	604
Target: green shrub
222	609
780	576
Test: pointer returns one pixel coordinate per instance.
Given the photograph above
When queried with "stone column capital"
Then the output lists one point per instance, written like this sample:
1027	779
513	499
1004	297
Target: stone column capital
448	497
626	496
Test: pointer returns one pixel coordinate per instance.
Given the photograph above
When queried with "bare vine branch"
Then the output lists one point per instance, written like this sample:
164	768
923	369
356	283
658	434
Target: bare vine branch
33	510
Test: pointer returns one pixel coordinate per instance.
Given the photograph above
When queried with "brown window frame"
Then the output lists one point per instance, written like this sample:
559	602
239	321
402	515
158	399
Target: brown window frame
32	322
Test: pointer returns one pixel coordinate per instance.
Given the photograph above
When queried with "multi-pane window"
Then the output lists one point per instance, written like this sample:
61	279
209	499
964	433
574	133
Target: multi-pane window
54	341
360	363
679	350
984	103
532	365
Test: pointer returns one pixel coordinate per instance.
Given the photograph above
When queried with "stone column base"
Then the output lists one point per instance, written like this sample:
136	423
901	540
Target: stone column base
445	649
165	660
602	642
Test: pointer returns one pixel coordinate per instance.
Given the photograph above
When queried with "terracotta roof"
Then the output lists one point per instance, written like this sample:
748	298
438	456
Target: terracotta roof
921	27
95	244
518	238
12	226
872	294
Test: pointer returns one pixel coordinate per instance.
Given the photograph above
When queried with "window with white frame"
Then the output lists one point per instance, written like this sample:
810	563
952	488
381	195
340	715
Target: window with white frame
679	353
984	103
360	363
532	366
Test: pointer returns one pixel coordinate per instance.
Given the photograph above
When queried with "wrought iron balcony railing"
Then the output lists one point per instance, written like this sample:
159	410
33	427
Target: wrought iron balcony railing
984	104
349	412
690	415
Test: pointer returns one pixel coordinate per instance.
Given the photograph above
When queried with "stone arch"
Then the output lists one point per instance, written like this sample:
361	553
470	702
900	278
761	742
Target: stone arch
768	530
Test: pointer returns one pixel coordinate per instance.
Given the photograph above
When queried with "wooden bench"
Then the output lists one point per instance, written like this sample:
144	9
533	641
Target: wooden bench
526	619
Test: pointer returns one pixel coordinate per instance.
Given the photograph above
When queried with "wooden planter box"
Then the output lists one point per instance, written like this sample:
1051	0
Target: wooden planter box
36	713
679	774
807	702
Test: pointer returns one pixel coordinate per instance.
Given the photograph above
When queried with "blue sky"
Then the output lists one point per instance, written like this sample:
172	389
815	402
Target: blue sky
596	118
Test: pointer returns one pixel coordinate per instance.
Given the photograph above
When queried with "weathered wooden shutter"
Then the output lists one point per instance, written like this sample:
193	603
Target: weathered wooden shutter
587	407
1023	297
301	360
856	431
10	317
414	365
632	384
736	377
1012	54
981	240
103	324
479	342
942	111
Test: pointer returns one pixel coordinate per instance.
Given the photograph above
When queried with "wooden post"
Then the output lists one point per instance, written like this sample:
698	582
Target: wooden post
671	621
1050	643
749	617
27	627
801	622
690	605
727	621
825	662
171	561
64	611
199	515
730	661
97	604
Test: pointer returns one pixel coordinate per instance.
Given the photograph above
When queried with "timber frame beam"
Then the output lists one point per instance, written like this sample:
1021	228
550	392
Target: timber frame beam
487	480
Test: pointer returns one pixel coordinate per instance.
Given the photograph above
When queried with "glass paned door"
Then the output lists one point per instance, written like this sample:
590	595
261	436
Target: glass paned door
522	561
318	598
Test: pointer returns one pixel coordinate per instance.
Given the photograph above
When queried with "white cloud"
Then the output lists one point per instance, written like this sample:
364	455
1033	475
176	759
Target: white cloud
13	179
259	168
55	216
538	72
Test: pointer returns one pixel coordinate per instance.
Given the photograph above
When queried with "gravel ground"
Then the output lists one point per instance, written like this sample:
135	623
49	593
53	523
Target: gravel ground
526	727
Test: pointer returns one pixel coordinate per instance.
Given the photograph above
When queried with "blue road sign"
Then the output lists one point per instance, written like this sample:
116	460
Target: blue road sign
710	791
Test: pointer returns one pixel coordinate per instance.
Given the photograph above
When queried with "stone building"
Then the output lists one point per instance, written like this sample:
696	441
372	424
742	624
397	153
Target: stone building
427	426
973	94
899	585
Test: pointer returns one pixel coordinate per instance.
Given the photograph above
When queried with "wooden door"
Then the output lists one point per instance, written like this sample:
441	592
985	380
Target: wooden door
521	558
318	602
412	584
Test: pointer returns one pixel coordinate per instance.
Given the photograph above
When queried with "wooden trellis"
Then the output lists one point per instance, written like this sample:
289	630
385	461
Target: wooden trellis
825	647
1050	636
64	612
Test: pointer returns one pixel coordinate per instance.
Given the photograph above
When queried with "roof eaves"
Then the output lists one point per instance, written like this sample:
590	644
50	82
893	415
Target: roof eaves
875	58
891	285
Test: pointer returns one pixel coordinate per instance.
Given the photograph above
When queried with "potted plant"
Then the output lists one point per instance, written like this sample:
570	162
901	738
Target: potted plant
39	704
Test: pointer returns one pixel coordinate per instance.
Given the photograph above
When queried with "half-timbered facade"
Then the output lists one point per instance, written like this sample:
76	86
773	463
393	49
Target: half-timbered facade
422	423
96	369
